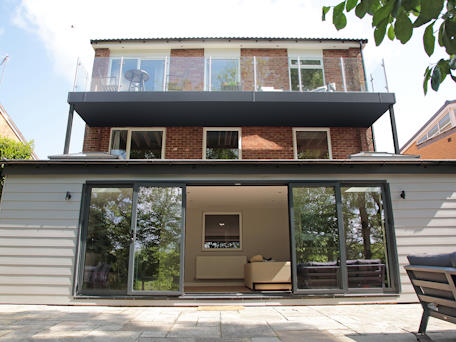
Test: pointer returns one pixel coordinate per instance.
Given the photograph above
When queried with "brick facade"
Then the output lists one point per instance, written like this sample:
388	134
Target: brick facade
352	66
267	143
262	142
271	69
186	70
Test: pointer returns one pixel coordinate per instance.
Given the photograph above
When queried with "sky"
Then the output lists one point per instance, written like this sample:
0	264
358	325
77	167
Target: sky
45	38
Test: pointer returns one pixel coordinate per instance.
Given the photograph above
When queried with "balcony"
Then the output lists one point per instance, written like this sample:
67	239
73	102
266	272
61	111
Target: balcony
257	90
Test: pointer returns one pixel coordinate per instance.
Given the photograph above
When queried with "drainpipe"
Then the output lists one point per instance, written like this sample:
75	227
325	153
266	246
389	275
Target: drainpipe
66	148
394	130
365	86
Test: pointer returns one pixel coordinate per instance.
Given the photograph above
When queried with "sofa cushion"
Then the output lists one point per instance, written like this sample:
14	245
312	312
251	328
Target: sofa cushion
442	260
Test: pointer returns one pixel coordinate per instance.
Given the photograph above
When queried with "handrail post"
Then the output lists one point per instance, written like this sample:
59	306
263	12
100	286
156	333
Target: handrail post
254	74
394	130
164	73
343	73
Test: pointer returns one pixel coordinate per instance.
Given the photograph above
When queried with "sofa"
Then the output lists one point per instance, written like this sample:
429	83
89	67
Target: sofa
362	273
268	276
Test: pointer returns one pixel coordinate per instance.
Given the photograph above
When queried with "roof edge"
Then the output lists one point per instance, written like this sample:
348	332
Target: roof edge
179	39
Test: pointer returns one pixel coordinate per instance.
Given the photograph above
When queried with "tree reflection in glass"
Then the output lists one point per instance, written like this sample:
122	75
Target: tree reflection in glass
108	240
158	239
364	222
317	237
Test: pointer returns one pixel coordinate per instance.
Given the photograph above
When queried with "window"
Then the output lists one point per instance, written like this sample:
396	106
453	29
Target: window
343	240
312	143
222	143
153	74
222	231
306	74
138	143
444	124
222	74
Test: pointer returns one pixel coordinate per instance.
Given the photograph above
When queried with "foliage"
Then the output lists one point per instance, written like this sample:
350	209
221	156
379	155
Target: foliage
157	239
12	149
222	153
399	18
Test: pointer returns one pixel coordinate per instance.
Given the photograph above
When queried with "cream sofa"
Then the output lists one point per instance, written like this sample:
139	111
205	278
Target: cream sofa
268	275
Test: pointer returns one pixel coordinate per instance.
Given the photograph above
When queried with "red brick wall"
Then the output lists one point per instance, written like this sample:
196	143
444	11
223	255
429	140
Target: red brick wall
257	142
186	69
100	69
96	139
267	143
184	143
271	68
353	68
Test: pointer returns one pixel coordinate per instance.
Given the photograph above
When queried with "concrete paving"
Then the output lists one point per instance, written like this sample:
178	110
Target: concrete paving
358	323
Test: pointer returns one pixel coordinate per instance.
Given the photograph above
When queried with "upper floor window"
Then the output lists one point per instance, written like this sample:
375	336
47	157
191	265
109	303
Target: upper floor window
444	124
222	143
312	143
138	143
136	74
306	73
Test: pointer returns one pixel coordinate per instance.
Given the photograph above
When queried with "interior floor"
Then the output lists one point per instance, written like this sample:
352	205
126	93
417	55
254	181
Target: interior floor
217	289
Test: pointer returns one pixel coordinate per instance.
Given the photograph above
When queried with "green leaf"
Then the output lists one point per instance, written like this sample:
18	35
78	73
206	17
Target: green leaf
449	42
372	6
444	69
441	31
361	9
382	13
350	5
339	18
397	6
325	10
379	32
427	76
409	5
430	9
435	78
429	40
452	63
390	32
403	27
450	27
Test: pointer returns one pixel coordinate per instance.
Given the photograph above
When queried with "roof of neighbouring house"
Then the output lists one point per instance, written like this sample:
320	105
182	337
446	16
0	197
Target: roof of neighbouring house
176	39
418	132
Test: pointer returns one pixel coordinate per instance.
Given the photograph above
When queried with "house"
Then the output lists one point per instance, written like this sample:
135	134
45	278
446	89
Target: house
437	138
9	130
223	170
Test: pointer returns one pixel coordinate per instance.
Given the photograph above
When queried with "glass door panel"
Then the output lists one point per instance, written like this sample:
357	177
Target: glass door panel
365	240
316	238
156	256
107	242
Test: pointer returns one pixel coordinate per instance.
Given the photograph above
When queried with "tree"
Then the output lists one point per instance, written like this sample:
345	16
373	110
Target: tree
398	18
12	149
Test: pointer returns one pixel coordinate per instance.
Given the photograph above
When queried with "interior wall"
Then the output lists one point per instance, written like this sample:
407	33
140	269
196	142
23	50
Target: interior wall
265	225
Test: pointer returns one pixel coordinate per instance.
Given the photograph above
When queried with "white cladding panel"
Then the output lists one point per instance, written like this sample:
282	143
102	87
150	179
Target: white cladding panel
39	230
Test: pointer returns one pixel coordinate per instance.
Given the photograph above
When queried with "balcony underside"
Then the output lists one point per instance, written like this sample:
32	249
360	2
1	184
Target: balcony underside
192	108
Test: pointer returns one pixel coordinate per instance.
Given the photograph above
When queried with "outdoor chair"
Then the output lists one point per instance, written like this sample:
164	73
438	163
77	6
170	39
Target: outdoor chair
434	279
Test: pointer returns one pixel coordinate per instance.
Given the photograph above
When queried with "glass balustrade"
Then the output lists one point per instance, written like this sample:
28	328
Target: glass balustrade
256	73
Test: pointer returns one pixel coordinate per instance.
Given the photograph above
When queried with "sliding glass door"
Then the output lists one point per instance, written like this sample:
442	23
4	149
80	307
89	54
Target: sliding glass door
156	251
132	240
341	237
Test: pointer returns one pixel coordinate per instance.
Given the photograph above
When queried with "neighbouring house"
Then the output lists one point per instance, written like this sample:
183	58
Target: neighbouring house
237	169
437	138
9	130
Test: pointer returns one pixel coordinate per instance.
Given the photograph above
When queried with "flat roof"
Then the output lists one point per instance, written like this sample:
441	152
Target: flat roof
239	167
237	108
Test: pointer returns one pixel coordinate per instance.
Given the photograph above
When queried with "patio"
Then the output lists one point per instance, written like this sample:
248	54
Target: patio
231	324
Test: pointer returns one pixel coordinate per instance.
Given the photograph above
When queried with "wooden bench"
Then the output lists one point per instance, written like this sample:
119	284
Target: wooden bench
436	290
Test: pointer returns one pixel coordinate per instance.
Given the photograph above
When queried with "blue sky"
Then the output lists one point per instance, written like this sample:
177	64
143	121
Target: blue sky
44	38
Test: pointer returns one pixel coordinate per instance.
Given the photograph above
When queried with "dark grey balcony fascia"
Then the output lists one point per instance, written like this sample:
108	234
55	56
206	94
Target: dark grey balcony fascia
199	108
